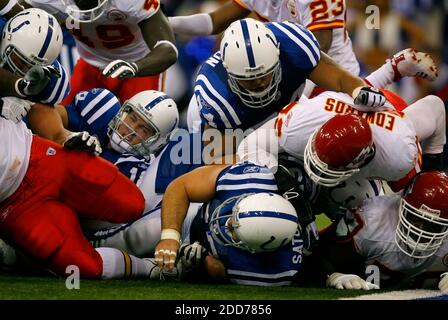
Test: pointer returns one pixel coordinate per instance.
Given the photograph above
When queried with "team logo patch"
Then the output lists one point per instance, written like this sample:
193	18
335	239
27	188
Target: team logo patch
51	151
251	169
291	5
116	15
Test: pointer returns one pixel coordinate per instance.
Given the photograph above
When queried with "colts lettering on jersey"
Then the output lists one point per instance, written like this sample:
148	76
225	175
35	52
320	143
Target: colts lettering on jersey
384	120
214	59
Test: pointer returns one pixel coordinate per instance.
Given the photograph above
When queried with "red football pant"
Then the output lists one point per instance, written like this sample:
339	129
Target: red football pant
86	77
41	218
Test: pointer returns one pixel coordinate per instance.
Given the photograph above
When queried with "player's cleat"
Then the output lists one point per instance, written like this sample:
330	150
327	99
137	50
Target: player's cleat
412	63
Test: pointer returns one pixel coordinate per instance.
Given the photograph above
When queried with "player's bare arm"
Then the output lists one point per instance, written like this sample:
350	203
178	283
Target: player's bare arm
226	14
178	196
46	122
331	76
325	38
49	122
162	44
215	268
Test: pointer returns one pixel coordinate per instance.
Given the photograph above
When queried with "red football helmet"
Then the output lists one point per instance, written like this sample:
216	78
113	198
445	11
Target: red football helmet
338	149
423	222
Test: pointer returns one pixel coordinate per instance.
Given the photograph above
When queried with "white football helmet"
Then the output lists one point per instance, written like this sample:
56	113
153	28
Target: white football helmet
157	110
260	222
250	51
85	10
32	37
349	194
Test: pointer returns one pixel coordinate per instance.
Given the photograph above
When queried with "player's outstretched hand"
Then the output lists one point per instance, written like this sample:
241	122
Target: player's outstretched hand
349	281
412	63
83	141
166	254
36	79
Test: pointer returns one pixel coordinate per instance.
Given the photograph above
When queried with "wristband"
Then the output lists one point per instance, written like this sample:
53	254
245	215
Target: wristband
356	92
170	234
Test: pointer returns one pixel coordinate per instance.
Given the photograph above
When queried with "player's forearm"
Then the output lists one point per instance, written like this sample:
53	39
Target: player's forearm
339	80
174	206
325	38
46	122
215	269
157	61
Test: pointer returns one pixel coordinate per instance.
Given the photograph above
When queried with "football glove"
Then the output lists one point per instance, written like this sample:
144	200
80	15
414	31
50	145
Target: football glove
36	79
155	273
83	141
121	69
192	255
369	97
14	109
443	283
349	281
411	63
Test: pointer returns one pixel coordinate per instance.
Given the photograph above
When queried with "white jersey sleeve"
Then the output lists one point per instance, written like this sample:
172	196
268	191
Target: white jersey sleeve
139	9
54	7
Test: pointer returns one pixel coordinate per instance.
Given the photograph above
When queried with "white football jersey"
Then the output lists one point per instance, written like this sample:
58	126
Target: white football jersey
394	136
15	149
374	239
314	15
114	35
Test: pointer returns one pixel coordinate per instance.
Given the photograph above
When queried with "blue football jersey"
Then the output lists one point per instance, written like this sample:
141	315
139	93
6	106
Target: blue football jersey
57	88
130	165
264	269
92	111
221	108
